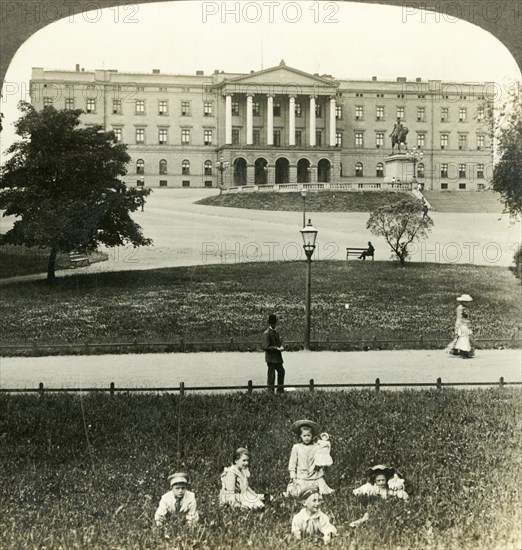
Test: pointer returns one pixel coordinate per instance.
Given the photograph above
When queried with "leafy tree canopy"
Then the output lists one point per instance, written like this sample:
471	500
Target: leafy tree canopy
401	223
507	172
63	184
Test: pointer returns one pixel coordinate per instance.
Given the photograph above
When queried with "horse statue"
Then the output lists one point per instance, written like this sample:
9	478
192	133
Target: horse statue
398	136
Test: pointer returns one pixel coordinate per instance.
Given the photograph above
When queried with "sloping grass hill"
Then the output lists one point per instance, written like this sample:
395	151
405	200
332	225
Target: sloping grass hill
471	202
316	201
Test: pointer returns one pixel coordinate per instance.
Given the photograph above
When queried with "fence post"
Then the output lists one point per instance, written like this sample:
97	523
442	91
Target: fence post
112	389
182	389
501	382
35	348
231	344
421	339
439	383
374	342
41	389
181	344
312	383
249	389
326	344
377	384
86	346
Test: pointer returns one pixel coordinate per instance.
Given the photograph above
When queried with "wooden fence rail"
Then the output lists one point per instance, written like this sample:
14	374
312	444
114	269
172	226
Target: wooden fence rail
250	387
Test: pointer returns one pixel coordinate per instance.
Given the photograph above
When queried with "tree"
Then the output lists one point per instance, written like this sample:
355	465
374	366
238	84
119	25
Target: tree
63	184
507	171
401	222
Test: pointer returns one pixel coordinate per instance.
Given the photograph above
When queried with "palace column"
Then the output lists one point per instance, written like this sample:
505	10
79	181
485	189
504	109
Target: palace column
291	120
249	121
332	123
270	120
312	121
228	119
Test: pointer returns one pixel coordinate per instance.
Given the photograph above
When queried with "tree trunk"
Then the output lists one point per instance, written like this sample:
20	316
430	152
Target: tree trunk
51	263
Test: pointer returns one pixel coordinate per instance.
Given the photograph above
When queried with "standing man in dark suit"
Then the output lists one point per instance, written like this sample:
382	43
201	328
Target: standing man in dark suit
273	356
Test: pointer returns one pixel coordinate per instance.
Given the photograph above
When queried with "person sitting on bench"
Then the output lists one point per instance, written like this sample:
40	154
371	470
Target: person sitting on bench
368	252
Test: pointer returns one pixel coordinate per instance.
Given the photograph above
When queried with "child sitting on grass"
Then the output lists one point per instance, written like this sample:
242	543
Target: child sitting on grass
305	472
179	503
310	520
384	482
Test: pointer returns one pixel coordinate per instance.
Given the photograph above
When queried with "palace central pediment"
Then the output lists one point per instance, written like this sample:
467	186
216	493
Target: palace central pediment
280	80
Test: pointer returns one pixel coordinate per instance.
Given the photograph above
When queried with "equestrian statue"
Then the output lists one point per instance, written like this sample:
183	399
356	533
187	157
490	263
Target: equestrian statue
398	135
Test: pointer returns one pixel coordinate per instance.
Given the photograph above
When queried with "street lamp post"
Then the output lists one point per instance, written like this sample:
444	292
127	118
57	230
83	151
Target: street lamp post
221	166
415	155
303	194
309	234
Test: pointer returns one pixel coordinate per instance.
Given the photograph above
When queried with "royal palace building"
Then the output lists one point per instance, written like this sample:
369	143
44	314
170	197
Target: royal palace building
281	126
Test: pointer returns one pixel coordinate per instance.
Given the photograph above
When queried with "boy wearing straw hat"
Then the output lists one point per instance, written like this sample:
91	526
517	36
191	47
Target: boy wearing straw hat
178	503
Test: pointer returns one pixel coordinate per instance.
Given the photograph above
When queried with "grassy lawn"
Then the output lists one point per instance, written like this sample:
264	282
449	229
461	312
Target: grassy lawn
87	471
330	201
21	260
219	302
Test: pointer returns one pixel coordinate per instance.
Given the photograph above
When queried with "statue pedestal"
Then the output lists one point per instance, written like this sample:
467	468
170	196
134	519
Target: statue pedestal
399	168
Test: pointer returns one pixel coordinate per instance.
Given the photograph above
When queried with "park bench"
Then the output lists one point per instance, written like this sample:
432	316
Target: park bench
351	251
78	259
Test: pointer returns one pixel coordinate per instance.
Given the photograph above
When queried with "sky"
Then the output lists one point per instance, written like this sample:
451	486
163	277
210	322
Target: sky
342	39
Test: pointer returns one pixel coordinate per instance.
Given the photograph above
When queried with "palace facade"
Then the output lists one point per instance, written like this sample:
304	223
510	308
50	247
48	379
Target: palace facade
280	126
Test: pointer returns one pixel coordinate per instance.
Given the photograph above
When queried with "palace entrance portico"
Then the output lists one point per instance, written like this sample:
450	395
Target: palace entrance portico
280	127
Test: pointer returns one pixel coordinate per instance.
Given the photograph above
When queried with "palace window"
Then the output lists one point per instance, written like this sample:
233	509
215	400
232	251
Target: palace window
421	141
400	113
421	114
163	108
90	106
444	114
379	140
208	168
256	108
420	170
140	135
444	141
208	108
480	171
162	167
277	109
69	103
339	112
359	139
298	110
462	170
185	183
140	167
318	110
318	138
338	139
277	138
116	107
118	134
379	112
47	101
359	170
163	183
185	136
463	140
463	114
185	108
298	138
185	168
480	113
207	137
359	112
379	170
481	142
462	186
256	136
162	136
139	107
444	170
235	108
235	136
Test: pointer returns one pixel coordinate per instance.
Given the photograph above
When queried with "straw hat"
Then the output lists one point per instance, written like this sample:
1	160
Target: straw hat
296	426
465	298
388	471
